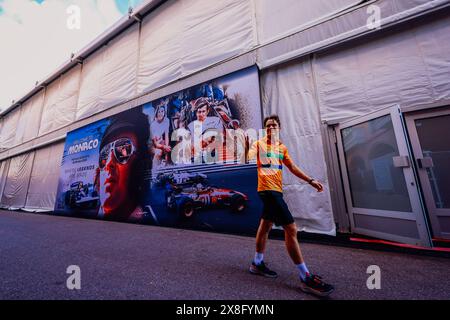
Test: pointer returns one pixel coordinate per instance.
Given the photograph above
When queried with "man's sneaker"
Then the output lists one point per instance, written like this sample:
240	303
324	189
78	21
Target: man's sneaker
314	284
261	269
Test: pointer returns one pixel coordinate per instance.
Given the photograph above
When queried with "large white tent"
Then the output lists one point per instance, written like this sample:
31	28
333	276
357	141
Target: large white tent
319	62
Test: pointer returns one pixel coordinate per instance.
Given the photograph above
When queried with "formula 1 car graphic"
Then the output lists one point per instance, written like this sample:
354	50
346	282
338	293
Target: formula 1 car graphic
186	200
82	196
181	178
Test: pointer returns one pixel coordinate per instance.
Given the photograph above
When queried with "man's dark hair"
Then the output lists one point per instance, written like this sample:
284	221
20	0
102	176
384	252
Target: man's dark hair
272	117
200	103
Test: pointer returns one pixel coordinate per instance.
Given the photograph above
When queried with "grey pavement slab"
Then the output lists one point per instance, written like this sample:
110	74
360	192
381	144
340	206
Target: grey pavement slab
128	261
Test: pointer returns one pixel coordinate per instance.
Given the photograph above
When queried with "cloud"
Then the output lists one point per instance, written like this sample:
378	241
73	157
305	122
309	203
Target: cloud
36	41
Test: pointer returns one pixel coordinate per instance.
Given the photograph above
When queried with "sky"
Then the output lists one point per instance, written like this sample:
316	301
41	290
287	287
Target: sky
35	39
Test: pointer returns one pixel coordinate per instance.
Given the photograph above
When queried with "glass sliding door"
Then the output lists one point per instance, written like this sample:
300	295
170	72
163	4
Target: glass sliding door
380	187
430	139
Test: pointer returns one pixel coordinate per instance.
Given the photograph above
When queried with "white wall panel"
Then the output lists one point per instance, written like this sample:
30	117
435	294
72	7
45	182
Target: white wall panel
184	36
44	178
109	75
4	165
90	85
160	45
30	114
434	46
214	31
8	133
282	17
409	68
60	101
288	91
17	180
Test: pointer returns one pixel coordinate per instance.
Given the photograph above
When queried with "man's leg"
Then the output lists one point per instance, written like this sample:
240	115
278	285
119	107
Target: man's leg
309	283
293	248
258	266
291	242
261	236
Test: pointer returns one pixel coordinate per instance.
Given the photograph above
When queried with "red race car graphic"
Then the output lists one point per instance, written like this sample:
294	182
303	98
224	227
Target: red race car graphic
186	200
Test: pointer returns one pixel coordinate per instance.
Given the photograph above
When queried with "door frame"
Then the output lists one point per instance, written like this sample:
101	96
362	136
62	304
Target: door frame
417	213
432	210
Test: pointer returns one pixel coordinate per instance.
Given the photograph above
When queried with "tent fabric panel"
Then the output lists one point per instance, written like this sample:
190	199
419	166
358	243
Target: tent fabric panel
288	91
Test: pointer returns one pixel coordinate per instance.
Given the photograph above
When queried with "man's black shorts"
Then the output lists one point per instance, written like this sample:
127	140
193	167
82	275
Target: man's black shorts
274	208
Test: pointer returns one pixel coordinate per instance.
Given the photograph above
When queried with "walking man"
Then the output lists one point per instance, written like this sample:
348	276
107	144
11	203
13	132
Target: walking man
271	155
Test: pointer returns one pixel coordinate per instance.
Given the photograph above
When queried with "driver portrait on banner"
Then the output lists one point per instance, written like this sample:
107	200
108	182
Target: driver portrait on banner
206	130
122	167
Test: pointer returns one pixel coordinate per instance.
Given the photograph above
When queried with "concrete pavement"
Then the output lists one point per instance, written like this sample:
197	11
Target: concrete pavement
127	261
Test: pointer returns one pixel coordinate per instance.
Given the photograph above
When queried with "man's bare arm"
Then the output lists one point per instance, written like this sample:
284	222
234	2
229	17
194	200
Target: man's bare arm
302	175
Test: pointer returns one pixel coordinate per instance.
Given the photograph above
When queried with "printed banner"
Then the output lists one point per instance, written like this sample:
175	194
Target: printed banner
177	161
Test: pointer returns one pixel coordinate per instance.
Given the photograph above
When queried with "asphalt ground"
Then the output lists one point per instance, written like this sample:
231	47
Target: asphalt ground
130	261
